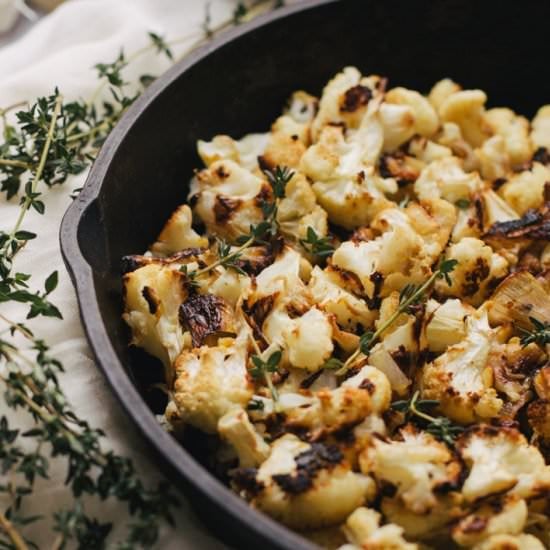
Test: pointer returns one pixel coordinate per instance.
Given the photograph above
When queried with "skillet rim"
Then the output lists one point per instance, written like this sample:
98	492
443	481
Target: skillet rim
187	468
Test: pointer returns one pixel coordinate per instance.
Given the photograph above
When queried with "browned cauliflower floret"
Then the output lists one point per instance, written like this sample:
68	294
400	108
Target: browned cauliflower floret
331	410
426	122
441	90
396	258
341	167
466	108
244	152
235	427
211	381
500	460
299	210
306	486
327	291
178	234
364	532
153	295
446	179
505	516
416	464
525	190
461	378
477	270
345	100
514	131
227	198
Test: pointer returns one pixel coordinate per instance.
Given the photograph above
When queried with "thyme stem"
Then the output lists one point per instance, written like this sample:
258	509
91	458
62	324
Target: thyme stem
44	155
225	259
13	534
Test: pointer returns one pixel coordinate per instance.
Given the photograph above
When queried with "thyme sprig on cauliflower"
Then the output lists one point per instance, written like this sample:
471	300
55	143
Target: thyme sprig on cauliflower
411	294
439	426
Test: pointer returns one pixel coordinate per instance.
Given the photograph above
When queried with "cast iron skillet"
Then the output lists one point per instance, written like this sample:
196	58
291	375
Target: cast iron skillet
237	84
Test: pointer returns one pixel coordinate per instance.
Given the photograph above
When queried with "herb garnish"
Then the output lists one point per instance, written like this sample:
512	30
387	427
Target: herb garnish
410	295
440	427
540	334
318	246
264	369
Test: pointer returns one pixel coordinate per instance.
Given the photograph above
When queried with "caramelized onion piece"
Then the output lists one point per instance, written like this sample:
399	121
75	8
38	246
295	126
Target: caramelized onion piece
519	297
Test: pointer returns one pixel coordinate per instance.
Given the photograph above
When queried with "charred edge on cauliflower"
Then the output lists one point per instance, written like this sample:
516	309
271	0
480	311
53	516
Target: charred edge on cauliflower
224	207
532	225
133	262
541	155
355	98
202	314
308	463
245	480
150	296
393	166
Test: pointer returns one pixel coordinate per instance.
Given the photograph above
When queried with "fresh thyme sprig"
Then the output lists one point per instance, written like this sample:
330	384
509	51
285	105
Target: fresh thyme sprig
540	334
439	426
263	232
410	295
318	246
264	369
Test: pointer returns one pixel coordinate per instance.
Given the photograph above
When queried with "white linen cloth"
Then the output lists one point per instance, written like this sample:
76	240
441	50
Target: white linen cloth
61	51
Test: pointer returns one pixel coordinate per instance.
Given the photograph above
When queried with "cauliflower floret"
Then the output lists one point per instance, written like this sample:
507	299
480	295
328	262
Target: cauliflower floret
153	295
540	133
526	189
451	136
467	224
211	381
397	124
478	268
345	99
504	517
282	277
342	169
177	234
302	108
494	161
446	179
514	130
416	465
236	428
308	486
229	285
425	117
299	210
461	378
244	152
227	197
307	339
349	310
500	460
427	150
466	108
510	542
441	90
363	396
364	532
421	526
446	325
397	257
